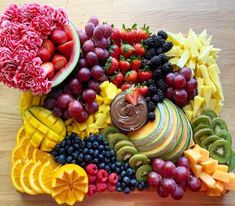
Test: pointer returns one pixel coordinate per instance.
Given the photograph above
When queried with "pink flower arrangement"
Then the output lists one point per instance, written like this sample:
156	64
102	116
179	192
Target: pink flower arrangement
22	31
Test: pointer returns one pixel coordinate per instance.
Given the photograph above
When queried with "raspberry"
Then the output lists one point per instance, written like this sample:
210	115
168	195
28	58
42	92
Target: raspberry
91	169
101	187
111	187
91	190
113	178
163	34
102	175
91	179
151	116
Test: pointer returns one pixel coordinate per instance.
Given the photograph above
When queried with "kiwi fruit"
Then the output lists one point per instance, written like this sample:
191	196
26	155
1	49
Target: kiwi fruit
123	143
201	134
208	141
218	124
142	172
109	130
231	161
210	114
202	119
125	153
115	138
225	135
201	126
220	150
137	160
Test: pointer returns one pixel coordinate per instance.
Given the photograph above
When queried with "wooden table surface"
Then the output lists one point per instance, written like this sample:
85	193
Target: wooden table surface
218	16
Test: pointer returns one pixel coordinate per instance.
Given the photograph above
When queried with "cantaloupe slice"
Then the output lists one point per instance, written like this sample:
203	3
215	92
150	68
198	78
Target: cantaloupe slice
231	184
204	187
219	186
223	168
210	165
222	176
196	169
205	154
212	192
193	156
207	179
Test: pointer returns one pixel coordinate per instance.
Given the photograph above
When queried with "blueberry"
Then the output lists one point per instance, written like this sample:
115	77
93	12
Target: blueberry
76	146
140	186
96	153
134	182
77	140
54	153
75	155
119	184
67	138
126	165
113	167
130	171
96	160
123	174
63	143
69	159
117	170
60	159
107	160
70	150
101	157
127	190
61	151
68	142
88	158
102	165
124	185
92	138
107	154
82	144
118	164
99	137
95	145
74	135
91	152
127	180
103	152
88	145
74	161
85	151
107	168
57	147
83	164
80	157
119	189
107	148
101	147
112	153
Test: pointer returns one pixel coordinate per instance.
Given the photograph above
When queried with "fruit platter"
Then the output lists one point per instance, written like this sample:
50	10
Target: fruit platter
114	110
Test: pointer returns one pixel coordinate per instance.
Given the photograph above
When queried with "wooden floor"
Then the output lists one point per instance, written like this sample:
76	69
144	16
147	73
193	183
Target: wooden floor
218	16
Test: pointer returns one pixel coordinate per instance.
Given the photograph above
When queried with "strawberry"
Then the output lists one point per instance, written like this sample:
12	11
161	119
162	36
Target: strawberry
117	79
47	44
132	34
135	64
124	34
68	32
139	50
48	69
131	76
145	75
125	86
143	34
114	51
59	61
132	96
66	49
44	54
143	90
126	50
116	36
58	36
111	65
124	65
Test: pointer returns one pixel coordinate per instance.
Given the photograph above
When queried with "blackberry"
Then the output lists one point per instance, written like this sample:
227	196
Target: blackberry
149	42
158	40
152	90
162	34
167	46
150	82
164	58
149	54
155	98
160	94
148	99
151	116
158	51
161	84
157	74
151	106
155	61
167	68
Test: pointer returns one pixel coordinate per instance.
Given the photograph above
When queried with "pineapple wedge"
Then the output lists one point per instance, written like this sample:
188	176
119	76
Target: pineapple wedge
198	101
206	92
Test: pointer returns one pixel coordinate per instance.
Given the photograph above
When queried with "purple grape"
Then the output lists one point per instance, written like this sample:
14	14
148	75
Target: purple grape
94	20
107	30
83	37
89	95
91	58
194	184
106	54
99	32
63	101
49	103
75	85
89	28
178	193
91	107
101	43
66	114
82	117
100	53
57	111
55	93
82	63
84	74
88	46
168	185
94	85
74	108
103	78
97	72
183	161
67	90
162	193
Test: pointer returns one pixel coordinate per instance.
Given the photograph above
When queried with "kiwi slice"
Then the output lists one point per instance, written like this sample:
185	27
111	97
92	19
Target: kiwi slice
218	124
202	119
210	114
220	150
142	172
115	138
122	143
231	161
201	134
201	126
108	130
125	153
208	141
137	160
225	135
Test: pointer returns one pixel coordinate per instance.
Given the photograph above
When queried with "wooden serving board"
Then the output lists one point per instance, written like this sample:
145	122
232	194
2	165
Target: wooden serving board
218	16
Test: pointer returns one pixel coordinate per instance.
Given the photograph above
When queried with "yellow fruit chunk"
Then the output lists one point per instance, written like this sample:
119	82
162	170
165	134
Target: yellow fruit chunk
15	175
205	154
33	178
29	151
196	169
213	192
18	153
20	134
193	156
198	101
219	186
38	155
207	179
69	184
221	176
231	184
209	166
223	168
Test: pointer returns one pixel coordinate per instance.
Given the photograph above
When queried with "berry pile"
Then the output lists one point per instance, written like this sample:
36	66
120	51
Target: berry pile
94	150
181	86
156	61
171	179
100	180
77	99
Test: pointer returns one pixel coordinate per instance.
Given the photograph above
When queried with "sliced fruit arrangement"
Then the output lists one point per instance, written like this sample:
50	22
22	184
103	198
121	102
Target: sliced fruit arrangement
214	176
211	133
43	128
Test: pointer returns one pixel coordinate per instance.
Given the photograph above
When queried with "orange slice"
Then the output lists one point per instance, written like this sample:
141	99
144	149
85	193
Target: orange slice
15	175
18	153
24	177
29	151
20	134
33	178
41	156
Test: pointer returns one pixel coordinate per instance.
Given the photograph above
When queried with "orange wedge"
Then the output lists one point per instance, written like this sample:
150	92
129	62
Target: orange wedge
18	153
29	151
20	134
15	175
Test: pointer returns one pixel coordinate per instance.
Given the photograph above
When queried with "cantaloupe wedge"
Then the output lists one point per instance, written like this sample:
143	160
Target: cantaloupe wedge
204	187
193	156
221	176
207	179
219	186
231	184
205	154
212	192
196	169
210	165
223	168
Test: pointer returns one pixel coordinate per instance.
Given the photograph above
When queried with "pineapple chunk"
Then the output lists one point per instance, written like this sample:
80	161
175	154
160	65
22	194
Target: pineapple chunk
210	61
192	63
174	60
183	59
104	85
189	115
176	39
206	77
176	51
198	71
203	36
198	101
187	108
200	83
99	99
208	41
206	92
193	46
218	107
196	39
204	54
111	91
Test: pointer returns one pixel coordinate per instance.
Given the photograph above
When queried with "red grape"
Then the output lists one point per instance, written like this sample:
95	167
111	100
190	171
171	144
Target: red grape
88	46
180	95
89	95
91	107
55	93
102	43
157	164
75	108
82	117
83	74
162	193
94	85
191	85
66	114
49	103
83	37
186	72
94	20
103	78
82	63
89	28
99	32
183	185
97	72
192	94
170	93
107	30
183	161
153	179
75	85
57	111
180	82
106	54
181	174
194	184
63	100
181	104
100	53
170	79
168	185
178	193
168	169
91	58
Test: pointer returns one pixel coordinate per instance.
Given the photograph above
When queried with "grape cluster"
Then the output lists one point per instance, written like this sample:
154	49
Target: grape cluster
77	97
181	86
171	179
96	151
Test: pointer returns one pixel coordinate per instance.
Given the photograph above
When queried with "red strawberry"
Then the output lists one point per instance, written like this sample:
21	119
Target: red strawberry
48	69
139	50
102	175
131	76
111	65
91	179
47	44
66	49
135	64
59	61
145	75
124	65
111	188
126	50
143	34
132	34
116	36
91	190
124	34
125	86
114	51
44	54
132	96
68	33
117	79
113	178
58	36
143	90
92	169
101	187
